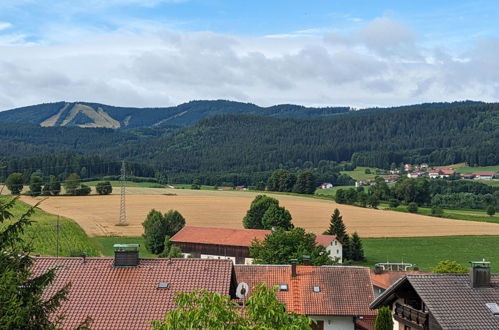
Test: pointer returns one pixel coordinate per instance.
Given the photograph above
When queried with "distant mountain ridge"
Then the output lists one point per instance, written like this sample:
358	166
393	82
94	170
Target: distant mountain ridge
84	114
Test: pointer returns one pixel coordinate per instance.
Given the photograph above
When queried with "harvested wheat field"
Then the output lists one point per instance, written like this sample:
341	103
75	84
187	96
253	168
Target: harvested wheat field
97	215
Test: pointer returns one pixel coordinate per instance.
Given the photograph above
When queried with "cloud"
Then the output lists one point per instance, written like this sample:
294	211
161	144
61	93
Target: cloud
4	25
381	63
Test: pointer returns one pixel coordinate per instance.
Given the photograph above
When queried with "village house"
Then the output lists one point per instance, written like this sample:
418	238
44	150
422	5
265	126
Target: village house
326	185
484	175
383	279
407	167
234	244
391	178
416	174
128	292
337	297
434	174
444	301
446	172
468	176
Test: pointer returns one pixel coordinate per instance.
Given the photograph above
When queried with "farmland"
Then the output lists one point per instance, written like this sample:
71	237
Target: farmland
43	233
97	215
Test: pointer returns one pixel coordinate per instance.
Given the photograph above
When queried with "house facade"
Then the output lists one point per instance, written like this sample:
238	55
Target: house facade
234	244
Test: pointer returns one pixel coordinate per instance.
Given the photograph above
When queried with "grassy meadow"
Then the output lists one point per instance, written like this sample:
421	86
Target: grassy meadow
42	233
105	245
117	184
360	173
426	252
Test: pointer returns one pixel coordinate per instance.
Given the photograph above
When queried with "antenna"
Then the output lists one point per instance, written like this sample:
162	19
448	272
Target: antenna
122	221
58	230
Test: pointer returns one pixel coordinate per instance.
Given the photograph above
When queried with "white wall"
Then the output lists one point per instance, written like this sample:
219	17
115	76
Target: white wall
210	256
336	322
335	251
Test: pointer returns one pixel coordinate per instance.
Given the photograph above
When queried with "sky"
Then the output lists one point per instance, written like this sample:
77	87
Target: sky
317	53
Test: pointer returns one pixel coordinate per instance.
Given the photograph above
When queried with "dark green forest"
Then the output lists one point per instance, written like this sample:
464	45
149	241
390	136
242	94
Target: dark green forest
245	149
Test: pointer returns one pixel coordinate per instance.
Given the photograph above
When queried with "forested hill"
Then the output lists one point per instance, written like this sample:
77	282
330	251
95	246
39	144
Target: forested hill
83	114
251	146
249	143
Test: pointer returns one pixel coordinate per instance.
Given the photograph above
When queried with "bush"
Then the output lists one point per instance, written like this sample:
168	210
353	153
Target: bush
84	190
15	183
412	207
104	188
491	210
394	203
384	319
437	211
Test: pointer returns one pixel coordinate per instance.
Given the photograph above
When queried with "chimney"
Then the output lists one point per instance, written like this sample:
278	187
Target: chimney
480	274
126	255
306	260
293	267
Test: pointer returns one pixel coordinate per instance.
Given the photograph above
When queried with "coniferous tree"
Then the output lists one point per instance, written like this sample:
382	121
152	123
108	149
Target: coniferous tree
55	185
72	183
336	226
357	251
23	300
384	319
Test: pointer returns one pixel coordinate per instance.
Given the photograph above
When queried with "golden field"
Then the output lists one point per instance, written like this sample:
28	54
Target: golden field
97	215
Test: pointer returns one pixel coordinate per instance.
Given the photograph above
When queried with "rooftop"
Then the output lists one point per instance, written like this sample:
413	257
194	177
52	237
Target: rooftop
451	299
111	296
230	236
316	290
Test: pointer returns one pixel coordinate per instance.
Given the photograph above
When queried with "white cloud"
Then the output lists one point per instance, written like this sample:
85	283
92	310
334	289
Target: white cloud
4	25
382	63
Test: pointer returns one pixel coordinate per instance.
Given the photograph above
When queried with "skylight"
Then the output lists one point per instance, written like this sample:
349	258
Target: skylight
494	308
163	285
317	289
283	287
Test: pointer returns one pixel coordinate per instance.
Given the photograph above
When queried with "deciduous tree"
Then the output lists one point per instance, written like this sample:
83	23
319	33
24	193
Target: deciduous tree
104	188
276	217
449	267
14	183
254	216
72	183
157	226
281	246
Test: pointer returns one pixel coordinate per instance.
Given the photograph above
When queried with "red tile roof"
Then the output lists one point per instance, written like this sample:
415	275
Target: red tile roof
447	171
484	173
343	290
387	278
230	236
129	298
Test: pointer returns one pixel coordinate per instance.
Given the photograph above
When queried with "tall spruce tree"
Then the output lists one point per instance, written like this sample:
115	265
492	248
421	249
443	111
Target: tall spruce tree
23	304
336	226
356	249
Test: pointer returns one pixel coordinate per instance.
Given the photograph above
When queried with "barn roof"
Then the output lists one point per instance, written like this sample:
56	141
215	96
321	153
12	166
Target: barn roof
230	236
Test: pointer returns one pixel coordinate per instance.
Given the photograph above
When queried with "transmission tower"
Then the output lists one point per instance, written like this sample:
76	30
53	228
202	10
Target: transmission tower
122	221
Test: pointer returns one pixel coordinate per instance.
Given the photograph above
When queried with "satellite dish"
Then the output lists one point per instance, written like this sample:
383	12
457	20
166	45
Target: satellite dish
242	290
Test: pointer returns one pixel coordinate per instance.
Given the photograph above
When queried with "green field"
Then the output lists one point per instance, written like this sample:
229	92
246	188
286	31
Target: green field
468	169
43	234
359	173
117	184
471	215
426	252
329	192
105	244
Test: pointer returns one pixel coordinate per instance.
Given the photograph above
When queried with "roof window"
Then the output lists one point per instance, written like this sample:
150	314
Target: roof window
283	287
163	285
317	289
494	308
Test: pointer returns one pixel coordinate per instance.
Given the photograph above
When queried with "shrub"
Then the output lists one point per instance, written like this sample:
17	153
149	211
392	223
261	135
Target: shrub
394	203
412	207
84	190
491	210
437	211
104	188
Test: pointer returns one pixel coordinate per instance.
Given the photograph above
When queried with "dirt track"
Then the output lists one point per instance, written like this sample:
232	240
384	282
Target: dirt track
97	215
